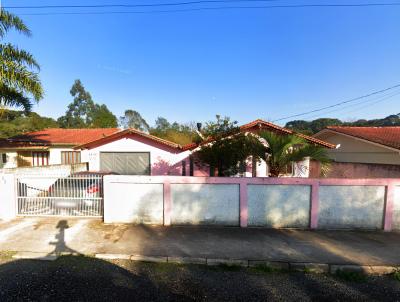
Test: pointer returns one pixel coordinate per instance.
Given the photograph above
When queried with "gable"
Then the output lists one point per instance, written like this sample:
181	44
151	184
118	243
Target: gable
131	143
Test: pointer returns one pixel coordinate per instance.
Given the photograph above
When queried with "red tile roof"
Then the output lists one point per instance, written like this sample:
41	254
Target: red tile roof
89	138
262	125
78	138
57	136
259	124
387	136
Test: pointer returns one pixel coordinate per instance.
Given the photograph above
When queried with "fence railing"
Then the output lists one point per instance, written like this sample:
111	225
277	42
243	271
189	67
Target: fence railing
50	170
76	195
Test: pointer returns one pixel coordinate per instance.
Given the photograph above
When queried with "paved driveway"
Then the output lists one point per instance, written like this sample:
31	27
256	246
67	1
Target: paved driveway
88	236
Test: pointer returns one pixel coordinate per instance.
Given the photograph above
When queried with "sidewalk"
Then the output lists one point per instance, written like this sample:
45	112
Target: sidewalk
43	235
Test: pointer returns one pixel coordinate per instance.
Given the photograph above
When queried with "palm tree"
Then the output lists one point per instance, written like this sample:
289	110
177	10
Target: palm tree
282	150
19	81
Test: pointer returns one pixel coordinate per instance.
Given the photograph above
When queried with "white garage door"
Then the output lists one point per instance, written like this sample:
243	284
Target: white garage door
125	163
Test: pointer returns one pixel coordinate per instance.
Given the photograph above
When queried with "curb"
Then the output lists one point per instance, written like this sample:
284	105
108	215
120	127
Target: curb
34	256
312	267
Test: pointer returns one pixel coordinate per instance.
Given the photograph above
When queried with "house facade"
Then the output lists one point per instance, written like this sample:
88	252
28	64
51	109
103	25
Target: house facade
47	147
363	151
127	152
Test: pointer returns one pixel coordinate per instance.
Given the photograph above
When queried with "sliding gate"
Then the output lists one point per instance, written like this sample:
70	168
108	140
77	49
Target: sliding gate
77	195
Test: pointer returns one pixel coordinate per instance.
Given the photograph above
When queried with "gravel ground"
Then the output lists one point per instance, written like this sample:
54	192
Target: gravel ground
89	279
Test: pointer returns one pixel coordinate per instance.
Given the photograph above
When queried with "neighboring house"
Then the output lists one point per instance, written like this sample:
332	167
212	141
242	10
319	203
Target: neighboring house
260	169
127	151
363	151
132	151
122	151
47	147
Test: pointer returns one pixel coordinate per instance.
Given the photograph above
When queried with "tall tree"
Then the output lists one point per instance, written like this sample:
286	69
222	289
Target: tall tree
133	119
162	124
78	112
19	80
83	112
225	148
102	117
178	133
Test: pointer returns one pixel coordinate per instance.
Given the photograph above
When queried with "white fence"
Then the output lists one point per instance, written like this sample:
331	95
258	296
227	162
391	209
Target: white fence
265	202
76	195
262	202
50	170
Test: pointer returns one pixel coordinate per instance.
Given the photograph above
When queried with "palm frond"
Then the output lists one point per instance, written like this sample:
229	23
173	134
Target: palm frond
13	98
18	82
10	21
19	77
10	52
286	149
313	152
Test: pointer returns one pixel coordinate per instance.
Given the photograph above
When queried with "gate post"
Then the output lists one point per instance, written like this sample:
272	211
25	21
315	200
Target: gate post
314	205
8	197
389	205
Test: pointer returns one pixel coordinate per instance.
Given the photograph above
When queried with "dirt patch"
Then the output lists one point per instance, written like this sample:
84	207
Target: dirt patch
116	233
112	232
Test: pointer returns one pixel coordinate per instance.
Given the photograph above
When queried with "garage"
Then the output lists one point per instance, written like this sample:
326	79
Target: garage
126	163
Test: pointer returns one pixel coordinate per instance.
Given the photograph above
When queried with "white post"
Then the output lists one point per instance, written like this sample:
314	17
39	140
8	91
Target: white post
8	200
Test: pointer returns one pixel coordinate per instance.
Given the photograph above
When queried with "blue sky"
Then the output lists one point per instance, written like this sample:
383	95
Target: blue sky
245	64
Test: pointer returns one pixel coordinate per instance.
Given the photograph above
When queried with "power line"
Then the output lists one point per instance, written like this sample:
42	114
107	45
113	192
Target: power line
369	105
217	8
135	5
365	104
338	104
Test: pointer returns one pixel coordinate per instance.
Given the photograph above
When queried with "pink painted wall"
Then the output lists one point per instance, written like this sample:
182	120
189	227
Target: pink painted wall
389	185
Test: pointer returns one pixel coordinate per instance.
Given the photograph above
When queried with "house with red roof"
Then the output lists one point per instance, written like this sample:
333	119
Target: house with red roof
128	151
363	151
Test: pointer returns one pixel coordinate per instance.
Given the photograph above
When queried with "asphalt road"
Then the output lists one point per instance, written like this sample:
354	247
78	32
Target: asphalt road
89	279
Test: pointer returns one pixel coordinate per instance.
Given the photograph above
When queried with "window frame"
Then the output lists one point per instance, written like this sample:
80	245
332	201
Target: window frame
40	158
71	157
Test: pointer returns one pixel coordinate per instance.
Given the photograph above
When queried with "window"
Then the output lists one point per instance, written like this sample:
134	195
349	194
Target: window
4	158
40	158
70	157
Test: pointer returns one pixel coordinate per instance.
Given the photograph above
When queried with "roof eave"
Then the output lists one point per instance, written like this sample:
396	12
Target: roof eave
120	134
361	139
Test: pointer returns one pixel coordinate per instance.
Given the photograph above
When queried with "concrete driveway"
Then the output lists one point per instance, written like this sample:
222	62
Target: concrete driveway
88	236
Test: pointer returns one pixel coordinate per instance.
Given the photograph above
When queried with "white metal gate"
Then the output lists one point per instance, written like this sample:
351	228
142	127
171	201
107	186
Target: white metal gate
76	195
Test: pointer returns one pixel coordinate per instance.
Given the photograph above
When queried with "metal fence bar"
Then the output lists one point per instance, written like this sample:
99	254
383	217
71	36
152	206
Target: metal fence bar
42	195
